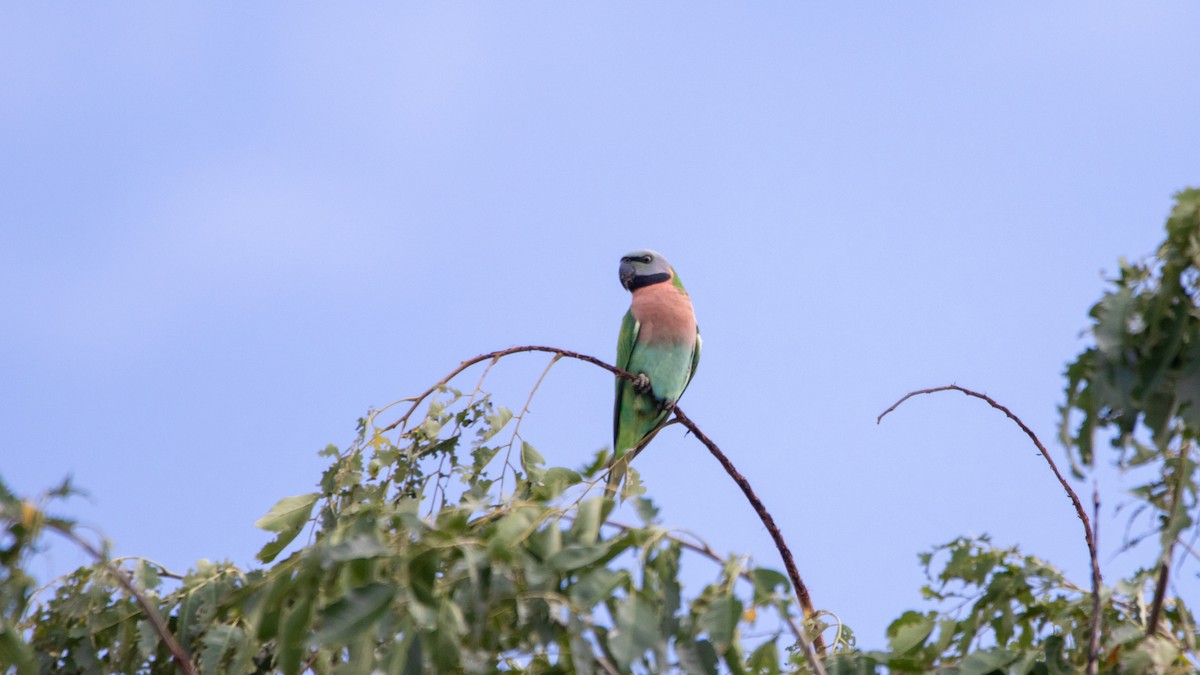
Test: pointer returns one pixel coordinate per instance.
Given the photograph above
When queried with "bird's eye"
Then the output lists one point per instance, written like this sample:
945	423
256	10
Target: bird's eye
645	260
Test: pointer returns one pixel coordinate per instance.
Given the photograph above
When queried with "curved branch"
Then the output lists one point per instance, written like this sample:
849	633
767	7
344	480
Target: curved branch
789	562
516	432
1094	635
178	654
496	355
1079	510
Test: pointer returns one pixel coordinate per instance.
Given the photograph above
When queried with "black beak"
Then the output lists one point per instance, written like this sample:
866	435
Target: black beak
627	274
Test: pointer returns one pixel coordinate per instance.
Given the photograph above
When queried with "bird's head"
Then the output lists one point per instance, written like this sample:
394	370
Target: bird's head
644	267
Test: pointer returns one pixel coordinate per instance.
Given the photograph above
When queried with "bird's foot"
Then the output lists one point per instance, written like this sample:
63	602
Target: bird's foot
641	384
667	405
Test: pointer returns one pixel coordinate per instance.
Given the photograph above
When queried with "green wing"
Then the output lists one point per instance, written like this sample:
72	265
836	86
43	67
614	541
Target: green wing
695	362
625	342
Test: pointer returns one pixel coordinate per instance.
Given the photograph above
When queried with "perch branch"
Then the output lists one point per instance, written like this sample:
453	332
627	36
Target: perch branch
1079	510
497	355
789	562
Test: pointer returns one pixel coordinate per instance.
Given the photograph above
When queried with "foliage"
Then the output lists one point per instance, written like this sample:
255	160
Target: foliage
449	544
1142	378
416	564
1001	611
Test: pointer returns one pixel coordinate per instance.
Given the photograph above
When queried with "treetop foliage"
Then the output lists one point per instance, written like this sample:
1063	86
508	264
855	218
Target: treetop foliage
439	540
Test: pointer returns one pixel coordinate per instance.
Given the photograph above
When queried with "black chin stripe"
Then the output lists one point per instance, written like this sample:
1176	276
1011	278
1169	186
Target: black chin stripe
648	280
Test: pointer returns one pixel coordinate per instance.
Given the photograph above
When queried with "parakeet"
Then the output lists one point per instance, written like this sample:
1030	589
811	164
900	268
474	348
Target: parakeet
659	343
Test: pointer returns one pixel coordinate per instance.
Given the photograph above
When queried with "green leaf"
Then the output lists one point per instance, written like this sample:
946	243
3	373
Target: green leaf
287	517
358	547
146	575
597	585
588	517
422	575
636	631
1056	663
531	462
646	510
1113	314
697	658
909	632
764	658
733	659
599	463
408	658
217	641
554	481
450	628
575	556
276	545
582	659
297	623
512	529
288	513
147	638
14	652
345	619
632	487
946	631
546	541
765	582
720	620
495	423
982	663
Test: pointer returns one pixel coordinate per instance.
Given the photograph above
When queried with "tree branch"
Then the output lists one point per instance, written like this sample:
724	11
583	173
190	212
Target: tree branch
182	661
1094	635
1079	510
496	355
789	562
1164	570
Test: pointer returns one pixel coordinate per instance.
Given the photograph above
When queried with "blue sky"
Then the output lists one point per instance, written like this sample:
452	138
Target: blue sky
226	230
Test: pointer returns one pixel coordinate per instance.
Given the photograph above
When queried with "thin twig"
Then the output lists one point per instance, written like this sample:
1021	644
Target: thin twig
439	485
182	661
1079	510
1160	596
162	570
516	432
1164	570
608	667
1094	636
497	355
1189	547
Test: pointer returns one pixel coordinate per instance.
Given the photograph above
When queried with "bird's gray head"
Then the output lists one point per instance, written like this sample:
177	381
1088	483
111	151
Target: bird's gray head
644	267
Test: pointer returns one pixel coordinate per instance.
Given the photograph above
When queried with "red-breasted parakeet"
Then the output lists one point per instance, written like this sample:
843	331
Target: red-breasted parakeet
659	343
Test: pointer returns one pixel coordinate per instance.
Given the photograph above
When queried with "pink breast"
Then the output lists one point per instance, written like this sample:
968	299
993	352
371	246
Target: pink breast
665	314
